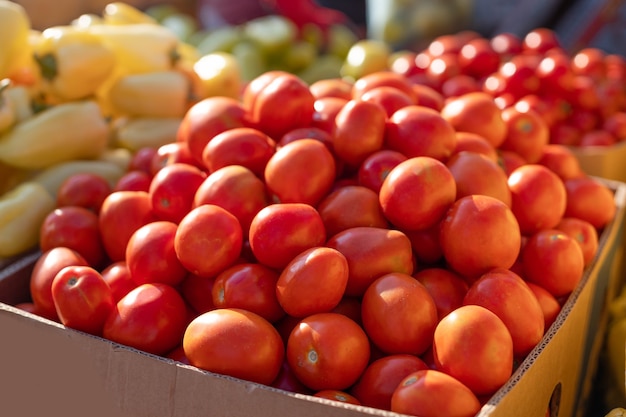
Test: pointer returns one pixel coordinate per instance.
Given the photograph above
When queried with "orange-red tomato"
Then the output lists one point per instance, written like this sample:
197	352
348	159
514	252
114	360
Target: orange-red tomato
172	190
428	97
390	98
590	200
584	233
197	291
378	79
527	134
550	306
134	180
326	109
337	395
446	287
375	168
83	189
561	160
466	141
332	87
174	153
117	275
478	58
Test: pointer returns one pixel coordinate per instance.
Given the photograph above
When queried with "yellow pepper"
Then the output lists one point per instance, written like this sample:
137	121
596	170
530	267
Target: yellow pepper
63	132
7	109
152	132
73	62
14	32
120	13
22	212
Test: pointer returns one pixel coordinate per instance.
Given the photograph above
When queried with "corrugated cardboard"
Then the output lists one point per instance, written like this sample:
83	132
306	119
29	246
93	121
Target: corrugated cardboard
50	370
602	161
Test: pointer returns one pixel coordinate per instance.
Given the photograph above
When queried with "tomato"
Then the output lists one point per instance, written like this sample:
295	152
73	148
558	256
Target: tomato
337	395
554	260
49	263
309	132
473	345
446	287
478	58
76	228
236	189
460	84
597	137
403	62
82	298
350	307
527	133
289	177
420	131
351	206
583	94
443	68
555	74
152	318
417	192
466	141
379	79
174	153
326	109
178	354
328	351
375	168
353	140
584	233
399	314
208	240
428	97
248	286
121	214
510	161
615	124
541	40
243	146
150	254
332	87
197	292
313	282
549	304
287	381
372	252
84	190
431	393
539	197
142	158
117	276
505	293
172	191
279	232
479	233
561	160
207	118
390	98
515	77
475	173
134	180
235	342
426	246
506	44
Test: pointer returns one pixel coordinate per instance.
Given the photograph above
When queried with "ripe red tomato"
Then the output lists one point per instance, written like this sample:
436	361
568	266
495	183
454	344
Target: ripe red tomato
466	141
510	161
527	133
541	40
478	58
235	342
550	306
332	87
446	287
590	200
197	291
561	160
473	345
326	109
173	153
428	97
375	168
460	84
117	276
208	240
426	246
152	318
134	180
84	189
506	44
555	74
597	137
337	395
590	61
82	298
309	132
390	98
584	233
287	381
172	191
141	160
379	79
328	351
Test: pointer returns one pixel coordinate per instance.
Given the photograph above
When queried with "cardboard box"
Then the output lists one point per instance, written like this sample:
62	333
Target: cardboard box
50	370
603	162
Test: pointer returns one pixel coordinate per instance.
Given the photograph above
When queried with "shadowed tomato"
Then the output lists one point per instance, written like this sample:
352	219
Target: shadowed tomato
172	191
549	304
84	189
337	395
478	58
378	79
510	161
197	291
307	133
527	133
117	275
286	380
561	160
466	141
375	168
590	62
597	137
446	287
584	233
174	153
428	97
460	84
332	87
426	246
390	98
133	181
142	159
326	109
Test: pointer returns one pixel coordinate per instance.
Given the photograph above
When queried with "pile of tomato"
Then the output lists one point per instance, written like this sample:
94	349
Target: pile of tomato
400	241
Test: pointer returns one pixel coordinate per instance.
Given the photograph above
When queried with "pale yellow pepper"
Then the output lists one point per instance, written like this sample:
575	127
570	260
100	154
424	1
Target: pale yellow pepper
14	32
120	13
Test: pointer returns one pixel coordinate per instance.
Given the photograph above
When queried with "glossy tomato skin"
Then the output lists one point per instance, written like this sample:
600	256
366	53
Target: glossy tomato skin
134	180
173	153
590	200
235	342
527	133
197	292
118	277
82	298
172	190
372	252
152	318
584	233
375	168
326	109
446	287
86	190
332	87
550	306
561	160
328	351
378	79
390	98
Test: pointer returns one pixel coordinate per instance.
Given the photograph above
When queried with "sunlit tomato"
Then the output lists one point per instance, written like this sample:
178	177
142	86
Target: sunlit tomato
172	191
214	233
117	276
479	233
403	62
428	97
121	214
207	118
426	246
351	206
82	298
328	351
475	173
429	393
174	153
527	133
561	160
597	137
390	98
76	228
446	287
84	189
152	318
473	345
506	44
555	74
135	180
375	168
372	252
289	177
353	140
590	61
420	131
466	141
554	260
287	380
326	109
308	132
236	189
515	77
541	40
332	87
279	232
337	395
417	192
382	79
478	58
399	314
459	85
590	200
235	342
477	113
539	197
442	68
197	292
141	160
248	286
543	107
549	304
243	146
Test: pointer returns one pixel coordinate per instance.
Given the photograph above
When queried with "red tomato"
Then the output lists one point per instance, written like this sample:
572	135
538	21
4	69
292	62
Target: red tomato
473	345
197	291
466	141
460	84
390	98
561	160
150	254
399	314
121	214
135	180
442	68
372	252
426	246
174	153
328	351
243	146
554	260
549	304
210	230
431	393
279	232
178	354
417	192
510	161
541	40
172	191
235	342
515	77
326	109
289	177
555	74
313	282
379	79
152	318
403	63
615	124
337	395
141	160
479	233
478	58
308	132
375	168
76	228
428	97
597	137
539	197
506	44
527	133
590	61
82	298
350	307
248	286
446	287
44	270
117	276
287	381
84	190
332	87
584	233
